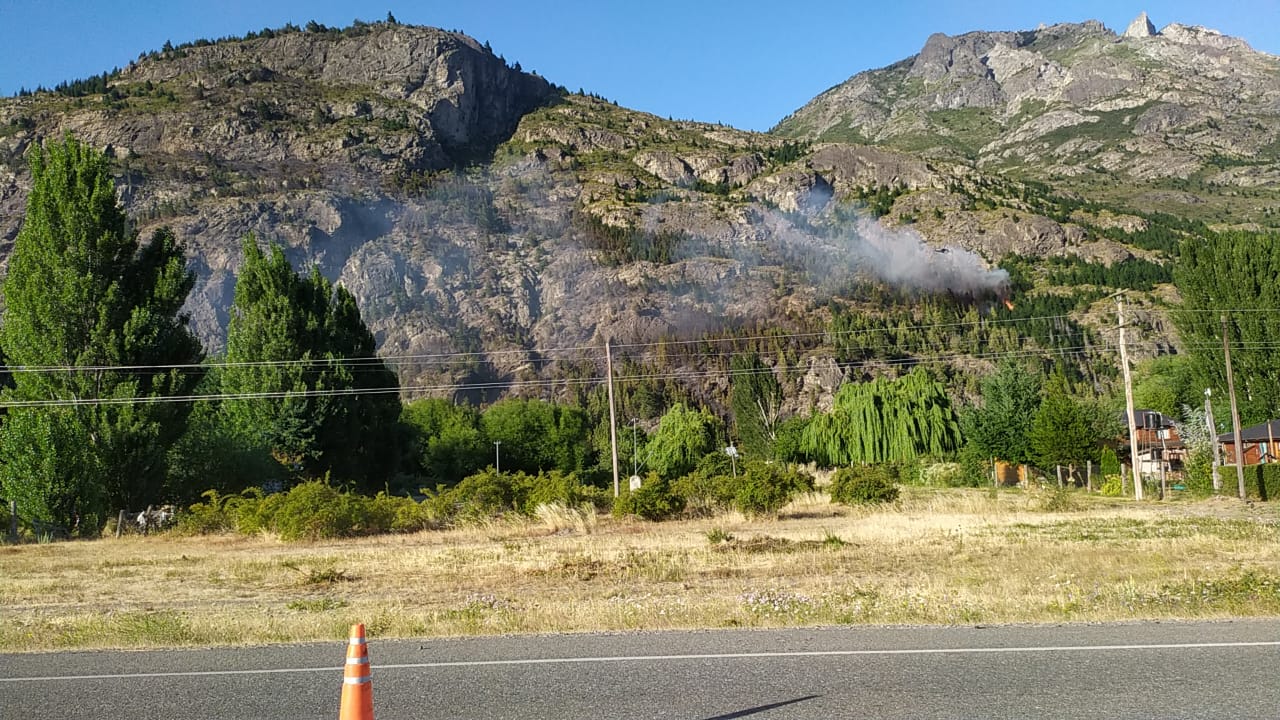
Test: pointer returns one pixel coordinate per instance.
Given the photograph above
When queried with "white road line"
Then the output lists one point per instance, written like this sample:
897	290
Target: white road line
659	658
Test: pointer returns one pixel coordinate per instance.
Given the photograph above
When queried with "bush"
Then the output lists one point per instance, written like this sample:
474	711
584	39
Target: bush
765	488
655	500
710	487
975	468
1108	462
310	511
1261	482
944	474
314	510
554	488
488	493
206	518
863	485
1111	486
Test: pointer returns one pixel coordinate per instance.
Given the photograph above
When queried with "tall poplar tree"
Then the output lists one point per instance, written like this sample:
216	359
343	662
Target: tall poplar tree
1232	275
756	399
96	342
333	404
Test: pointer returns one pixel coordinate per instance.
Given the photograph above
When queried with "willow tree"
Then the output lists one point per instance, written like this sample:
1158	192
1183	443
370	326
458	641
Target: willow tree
94	331
683	437
884	420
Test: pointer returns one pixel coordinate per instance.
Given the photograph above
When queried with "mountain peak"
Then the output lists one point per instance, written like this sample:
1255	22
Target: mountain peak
1141	27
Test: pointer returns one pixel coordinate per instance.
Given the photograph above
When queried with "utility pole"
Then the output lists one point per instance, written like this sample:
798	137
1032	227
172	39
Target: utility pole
635	449
613	423
1235	413
1128	403
1213	437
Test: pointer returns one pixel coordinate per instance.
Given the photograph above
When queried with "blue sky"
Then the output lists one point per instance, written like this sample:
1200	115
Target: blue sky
745	63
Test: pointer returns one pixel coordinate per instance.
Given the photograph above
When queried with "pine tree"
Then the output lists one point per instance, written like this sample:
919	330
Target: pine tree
332	404
1000	427
1064	431
93	325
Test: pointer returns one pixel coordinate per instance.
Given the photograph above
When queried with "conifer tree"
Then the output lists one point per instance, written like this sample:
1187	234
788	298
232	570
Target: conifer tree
1064	431
333	404
1001	426
94	332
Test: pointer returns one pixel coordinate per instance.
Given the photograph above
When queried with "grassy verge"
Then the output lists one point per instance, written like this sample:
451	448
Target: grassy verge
953	556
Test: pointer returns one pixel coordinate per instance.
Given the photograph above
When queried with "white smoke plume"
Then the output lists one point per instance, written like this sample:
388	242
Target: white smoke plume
901	258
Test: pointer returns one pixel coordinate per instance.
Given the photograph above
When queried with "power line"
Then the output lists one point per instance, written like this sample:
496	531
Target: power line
1078	351
374	360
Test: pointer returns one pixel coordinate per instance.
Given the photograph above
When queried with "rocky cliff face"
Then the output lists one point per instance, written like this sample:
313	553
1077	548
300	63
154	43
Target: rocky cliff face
306	138
486	221
1183	110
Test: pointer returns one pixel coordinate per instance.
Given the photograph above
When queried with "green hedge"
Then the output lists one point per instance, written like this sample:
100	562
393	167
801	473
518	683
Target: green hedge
1261	482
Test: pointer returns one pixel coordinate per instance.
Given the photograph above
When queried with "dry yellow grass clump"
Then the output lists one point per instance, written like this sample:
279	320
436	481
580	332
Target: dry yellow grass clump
935	556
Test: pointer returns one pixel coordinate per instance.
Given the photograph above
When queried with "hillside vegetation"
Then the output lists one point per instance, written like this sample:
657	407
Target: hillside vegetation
388	210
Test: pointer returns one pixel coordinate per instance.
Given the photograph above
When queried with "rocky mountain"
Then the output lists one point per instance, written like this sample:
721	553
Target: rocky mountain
1183	120
496	229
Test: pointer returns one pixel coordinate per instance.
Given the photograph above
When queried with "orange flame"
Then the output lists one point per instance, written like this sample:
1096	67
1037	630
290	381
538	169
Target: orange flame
1008	303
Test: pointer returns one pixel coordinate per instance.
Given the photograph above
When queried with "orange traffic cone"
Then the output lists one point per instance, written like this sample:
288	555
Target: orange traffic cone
357	685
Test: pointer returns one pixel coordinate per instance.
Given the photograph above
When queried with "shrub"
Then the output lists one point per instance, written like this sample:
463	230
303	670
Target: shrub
716	535
1060	499
488	493
655	500
975	468
863	485
205	518
765	488
553	488
710	487
314	510
1108	462
1261	482
943	474
1111	486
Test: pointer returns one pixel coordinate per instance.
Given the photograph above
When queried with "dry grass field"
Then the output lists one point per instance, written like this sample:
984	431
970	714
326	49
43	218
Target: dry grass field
934	556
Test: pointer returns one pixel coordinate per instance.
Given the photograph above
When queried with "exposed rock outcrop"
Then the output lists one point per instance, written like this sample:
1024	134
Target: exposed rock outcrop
1067	101
1141	27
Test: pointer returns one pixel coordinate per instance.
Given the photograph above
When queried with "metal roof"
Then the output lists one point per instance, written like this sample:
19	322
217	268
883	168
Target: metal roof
1262	432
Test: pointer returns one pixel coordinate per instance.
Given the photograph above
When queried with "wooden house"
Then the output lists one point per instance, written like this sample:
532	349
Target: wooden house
1257	441
1160	447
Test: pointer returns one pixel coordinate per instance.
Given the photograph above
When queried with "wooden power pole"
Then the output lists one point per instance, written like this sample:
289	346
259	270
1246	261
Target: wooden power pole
1128	403
1213	437
613	423
1235	414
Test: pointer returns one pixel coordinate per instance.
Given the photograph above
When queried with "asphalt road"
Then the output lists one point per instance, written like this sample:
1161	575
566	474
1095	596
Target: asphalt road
1147	670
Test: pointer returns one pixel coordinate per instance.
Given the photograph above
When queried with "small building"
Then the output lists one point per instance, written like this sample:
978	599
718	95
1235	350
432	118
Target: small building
1257	441
1160	447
